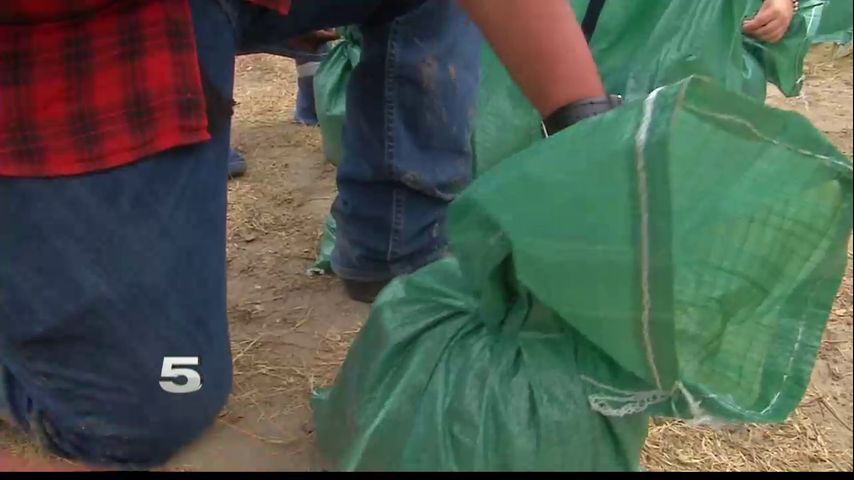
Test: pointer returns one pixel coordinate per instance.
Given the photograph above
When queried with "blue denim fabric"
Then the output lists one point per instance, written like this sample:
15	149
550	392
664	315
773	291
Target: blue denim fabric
305	111
407	139
103	275
411	106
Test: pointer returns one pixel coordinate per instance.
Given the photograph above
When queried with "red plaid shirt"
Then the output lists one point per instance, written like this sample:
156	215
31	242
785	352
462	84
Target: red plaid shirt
87	85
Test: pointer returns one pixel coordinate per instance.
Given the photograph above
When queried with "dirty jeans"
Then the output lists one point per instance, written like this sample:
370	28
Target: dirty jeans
407	138
104	276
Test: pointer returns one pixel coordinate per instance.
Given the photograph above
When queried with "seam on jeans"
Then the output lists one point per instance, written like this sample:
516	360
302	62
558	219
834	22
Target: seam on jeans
389	107
230	12
398	220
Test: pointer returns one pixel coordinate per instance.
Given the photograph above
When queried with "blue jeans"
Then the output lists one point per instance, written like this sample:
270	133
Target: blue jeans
305	111
102	276
410	111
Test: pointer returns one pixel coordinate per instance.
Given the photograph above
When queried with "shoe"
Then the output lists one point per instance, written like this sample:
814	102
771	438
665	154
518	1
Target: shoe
236	164
364	292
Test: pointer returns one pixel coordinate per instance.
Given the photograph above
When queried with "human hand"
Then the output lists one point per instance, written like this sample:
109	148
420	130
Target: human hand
772	22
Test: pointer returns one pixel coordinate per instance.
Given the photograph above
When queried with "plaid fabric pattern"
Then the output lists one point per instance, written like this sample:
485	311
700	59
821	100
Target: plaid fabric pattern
88	85
23	12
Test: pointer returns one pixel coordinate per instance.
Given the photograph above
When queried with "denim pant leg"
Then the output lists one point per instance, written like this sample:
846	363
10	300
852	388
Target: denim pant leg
102	276
410	109
411	105
305	111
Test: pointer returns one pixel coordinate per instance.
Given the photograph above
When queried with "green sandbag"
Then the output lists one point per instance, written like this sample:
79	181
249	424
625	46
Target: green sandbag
330	91
506	122
829	21
689	272
323	264
638	47
442	379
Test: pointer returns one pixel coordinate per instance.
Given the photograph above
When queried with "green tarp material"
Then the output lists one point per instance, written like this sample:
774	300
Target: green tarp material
677	256
829	21
330	94
323	264
639	46
330	90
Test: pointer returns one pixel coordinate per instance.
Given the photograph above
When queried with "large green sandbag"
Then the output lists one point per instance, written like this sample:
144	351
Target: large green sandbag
780	64
444	379
638	47
829	21
330	91
677	256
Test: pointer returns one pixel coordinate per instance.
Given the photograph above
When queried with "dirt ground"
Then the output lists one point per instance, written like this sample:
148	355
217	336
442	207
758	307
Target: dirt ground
290	331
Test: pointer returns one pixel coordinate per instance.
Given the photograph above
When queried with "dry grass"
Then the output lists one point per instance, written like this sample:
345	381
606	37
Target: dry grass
282	389
797	445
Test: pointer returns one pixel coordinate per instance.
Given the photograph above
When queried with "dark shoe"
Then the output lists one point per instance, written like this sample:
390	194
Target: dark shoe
364	292
305	122
236	164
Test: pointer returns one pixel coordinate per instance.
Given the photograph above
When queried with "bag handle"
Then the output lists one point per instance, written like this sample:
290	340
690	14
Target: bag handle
591	18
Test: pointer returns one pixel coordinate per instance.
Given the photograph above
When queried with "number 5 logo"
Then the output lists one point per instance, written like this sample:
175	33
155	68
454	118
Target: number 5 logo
177	368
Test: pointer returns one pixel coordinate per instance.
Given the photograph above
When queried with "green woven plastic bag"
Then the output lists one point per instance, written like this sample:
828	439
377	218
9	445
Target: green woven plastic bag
829	21
323	264
330	91
640	46
780	64
330	94
678	256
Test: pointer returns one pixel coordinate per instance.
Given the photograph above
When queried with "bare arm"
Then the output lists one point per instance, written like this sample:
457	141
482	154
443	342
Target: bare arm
543	47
